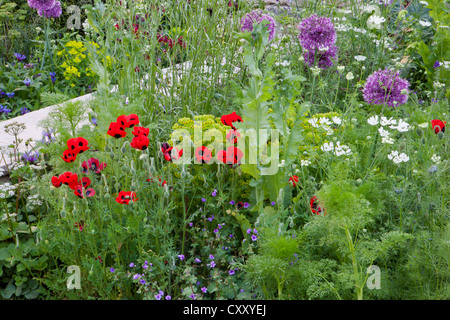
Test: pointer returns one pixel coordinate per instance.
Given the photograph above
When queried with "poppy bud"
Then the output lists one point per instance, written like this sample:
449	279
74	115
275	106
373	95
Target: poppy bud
433	206
419	132
111	155
133	172
63	213
205	184
166	194
402	146
123	150
440	135
423	140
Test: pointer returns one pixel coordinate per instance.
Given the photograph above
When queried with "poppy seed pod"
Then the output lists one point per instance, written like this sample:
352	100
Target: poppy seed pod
111	155
402	146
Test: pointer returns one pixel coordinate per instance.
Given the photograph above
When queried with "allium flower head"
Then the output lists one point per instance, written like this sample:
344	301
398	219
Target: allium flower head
257	16
316	32
53	12
385	87
325	59
42	4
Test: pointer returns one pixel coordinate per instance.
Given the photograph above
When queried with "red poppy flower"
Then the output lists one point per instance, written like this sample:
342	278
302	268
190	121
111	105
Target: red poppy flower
79	192
293	180
56	182
80	225
314	206
125	197
228	119
69	156
116	130
232	135
132	120
438	125
166	149
232	155
140	142
239	205
68	178
100	259
141	131
77	145
203	154
93	165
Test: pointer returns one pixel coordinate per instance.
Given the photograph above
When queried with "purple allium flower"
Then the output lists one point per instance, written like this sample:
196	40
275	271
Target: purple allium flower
257	16
168	297
19	56
437	64
385	87
112	270
41	4
325	59
316	32
54	12
254	237
181	256
27	82
204	290
231	272
24	110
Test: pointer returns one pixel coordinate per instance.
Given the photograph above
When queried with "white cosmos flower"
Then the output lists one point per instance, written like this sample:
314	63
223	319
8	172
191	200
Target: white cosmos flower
383	132
314	122
336	120
360	58
325	121
342	150
327	146
401	127
373	120
386	122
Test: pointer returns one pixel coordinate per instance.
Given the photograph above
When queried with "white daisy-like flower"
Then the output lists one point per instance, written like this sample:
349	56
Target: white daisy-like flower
383	132
341	149
314	122
373	120
423	125
349	76
336	120
424	23
340	69
327	147
424	3
386	122
305	163
360	58
401	127
325	121
387	140
283	64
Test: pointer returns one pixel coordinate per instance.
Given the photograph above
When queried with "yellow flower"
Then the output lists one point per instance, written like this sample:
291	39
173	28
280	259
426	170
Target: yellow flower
73	51
72	85
64	65
77	59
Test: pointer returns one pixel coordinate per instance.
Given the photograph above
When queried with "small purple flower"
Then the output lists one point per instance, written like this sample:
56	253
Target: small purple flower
41	4
136	276
211	219
158	297
203	200
211	257
191	224
192	296
19	56
112	270
181	256
232	202
10	94
4	109
231	272
437	64
231	236
272	203
254	237
255	231
24	110
204	290
242	290
168	297
257	16
131	265
30	157
249	231
214	193
246	205
27	82
94	121
198	260
142	281
216	230
212	264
